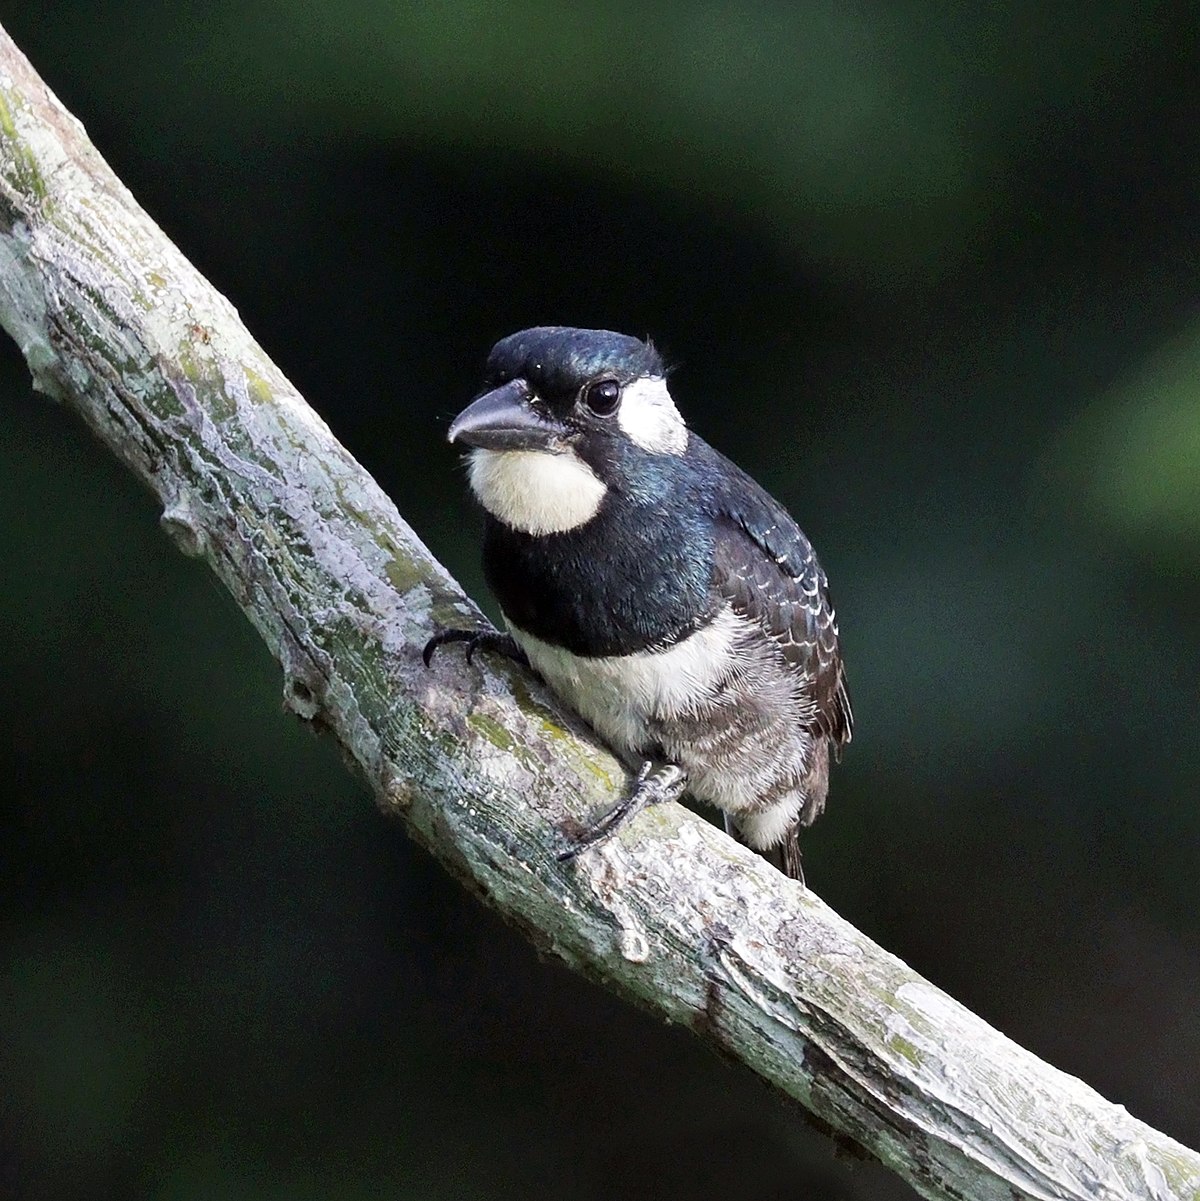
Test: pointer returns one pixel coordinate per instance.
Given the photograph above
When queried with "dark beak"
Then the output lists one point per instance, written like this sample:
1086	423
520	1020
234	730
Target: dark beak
504	419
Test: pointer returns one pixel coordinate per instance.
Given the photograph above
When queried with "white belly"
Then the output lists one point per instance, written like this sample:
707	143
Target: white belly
620	694
722	704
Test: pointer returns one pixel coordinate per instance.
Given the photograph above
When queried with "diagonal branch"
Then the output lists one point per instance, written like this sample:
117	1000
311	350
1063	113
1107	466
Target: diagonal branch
483	768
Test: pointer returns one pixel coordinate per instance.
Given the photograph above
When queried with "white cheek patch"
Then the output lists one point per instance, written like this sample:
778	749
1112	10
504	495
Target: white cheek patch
649	417
536	491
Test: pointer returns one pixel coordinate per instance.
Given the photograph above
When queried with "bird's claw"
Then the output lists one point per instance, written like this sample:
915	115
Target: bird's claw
476	640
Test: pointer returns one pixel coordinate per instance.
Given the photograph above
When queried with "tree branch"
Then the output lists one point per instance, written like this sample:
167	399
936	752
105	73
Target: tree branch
479	762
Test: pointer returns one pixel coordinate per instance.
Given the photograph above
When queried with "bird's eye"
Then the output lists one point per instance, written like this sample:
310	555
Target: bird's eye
602	397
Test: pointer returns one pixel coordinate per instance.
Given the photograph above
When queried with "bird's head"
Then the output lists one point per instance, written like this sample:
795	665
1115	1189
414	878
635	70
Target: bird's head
565	414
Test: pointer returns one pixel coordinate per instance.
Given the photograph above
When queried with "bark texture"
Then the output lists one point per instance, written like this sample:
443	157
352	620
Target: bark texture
481	765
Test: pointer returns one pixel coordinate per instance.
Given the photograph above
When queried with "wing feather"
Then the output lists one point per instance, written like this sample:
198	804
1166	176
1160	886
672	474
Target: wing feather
768	571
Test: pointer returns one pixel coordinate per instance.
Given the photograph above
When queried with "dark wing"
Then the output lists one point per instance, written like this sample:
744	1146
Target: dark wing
768	571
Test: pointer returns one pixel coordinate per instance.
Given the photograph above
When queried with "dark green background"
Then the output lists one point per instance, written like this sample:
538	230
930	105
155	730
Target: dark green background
928	271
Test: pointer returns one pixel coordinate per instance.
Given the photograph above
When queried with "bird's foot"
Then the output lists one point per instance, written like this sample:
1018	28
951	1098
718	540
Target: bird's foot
477	640
655	783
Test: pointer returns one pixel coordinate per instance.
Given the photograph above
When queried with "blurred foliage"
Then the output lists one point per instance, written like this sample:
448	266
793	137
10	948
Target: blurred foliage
927	271
870	135
1138	452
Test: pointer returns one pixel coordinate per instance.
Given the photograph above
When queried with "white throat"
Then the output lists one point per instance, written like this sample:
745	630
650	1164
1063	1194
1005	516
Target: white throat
536	491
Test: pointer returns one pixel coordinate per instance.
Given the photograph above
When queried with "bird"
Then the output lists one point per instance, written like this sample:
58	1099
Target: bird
658	590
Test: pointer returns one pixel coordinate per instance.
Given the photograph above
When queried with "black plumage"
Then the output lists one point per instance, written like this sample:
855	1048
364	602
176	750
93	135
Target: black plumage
555	359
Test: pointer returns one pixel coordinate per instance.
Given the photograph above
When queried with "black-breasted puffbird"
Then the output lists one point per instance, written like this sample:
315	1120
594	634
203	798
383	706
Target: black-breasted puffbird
658	590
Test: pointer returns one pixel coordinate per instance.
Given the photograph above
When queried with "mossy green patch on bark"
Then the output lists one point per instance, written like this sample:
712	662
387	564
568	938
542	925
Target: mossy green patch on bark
200	374
404	574
906	1049
493	731
532	707
564	741
257	388
1179	1172
26	177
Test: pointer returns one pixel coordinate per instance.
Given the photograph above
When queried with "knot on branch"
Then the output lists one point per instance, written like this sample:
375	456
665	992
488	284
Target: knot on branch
304	683
397	789
299	698
180	522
